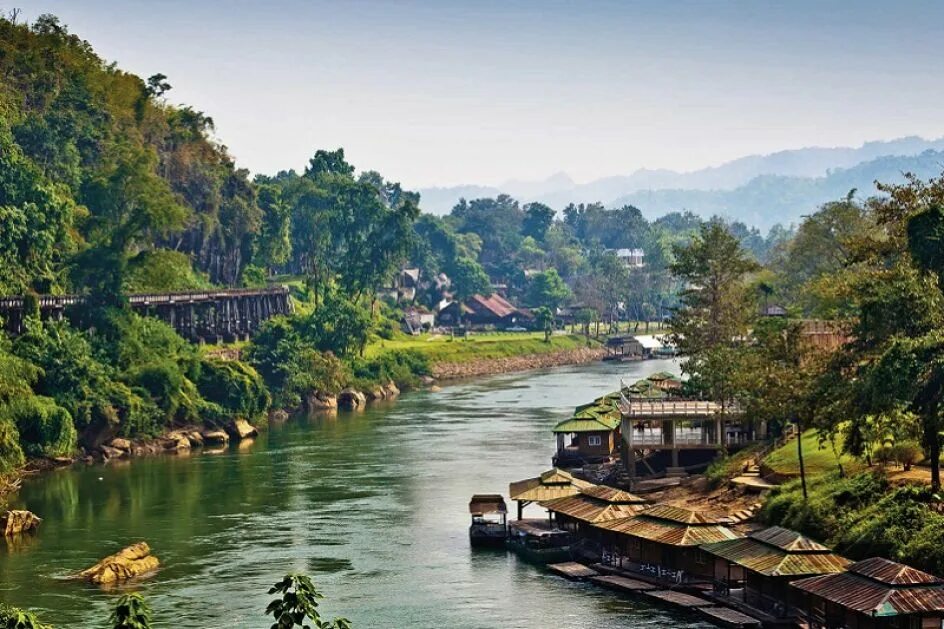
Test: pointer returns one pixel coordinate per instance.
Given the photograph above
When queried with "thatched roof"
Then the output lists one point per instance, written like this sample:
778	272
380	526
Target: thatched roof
550	485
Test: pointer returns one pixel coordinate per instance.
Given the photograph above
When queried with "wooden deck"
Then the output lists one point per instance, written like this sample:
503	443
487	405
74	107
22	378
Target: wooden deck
623	584
572	570
681	599
727	617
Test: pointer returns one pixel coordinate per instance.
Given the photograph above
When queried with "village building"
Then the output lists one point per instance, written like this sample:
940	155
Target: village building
757	570
875	593
591	506
480	312
417	319
664	541
552	484
624	348
689	432
631	258
591	435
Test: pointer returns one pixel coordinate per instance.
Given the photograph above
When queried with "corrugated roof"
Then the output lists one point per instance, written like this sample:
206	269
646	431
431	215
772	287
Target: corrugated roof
590	418
590	509
879	587
787	554
487	503
669	532
787	540
552	484
494	303
685	516
612	495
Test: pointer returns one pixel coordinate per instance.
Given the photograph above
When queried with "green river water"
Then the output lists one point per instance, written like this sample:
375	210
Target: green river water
373	505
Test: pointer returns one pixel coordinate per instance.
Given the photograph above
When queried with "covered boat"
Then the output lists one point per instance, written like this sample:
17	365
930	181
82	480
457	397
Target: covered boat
489	520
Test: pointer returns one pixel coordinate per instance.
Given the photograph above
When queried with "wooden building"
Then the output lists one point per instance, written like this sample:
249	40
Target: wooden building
674	424
665	540
623	348
591	506
874	593
484	311
591	435
552	484
757	570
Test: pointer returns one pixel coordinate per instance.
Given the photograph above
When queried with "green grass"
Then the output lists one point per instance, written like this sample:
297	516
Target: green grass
817	458
444	349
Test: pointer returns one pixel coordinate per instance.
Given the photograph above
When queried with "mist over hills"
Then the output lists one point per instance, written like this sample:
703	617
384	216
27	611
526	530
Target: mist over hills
760	190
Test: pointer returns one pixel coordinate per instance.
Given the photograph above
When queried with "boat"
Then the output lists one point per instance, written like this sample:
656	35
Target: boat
489	520
539	542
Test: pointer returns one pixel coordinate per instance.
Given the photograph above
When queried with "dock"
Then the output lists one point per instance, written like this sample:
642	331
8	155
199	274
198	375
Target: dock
679	599
727	617
572	570
622	584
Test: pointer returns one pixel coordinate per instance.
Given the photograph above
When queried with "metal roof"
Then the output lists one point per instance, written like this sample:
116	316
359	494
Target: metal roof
777	552
612	495
879	587
554	483
674	526
593	417
587	508
487	503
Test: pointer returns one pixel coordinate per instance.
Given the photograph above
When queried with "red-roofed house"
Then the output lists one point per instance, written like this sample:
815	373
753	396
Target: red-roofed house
484	311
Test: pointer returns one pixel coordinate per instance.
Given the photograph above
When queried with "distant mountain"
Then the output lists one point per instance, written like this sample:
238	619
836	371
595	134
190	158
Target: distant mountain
769	199
559	190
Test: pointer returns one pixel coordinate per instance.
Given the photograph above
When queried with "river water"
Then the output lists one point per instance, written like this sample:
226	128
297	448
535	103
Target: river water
373	505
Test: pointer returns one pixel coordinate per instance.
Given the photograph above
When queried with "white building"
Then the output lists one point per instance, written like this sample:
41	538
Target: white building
631	258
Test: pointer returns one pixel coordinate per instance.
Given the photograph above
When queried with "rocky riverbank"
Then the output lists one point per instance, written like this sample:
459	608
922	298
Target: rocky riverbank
492	366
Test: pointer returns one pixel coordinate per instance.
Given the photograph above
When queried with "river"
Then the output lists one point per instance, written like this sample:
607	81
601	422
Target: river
373	505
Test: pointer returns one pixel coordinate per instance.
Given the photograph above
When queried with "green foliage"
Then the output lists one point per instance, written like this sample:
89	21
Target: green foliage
403	367
339	325
13	618
235	386
45	428
548	289
161	270
298	603
131	612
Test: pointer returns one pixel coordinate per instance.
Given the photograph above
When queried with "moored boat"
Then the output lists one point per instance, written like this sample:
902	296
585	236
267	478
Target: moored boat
489	520
538	541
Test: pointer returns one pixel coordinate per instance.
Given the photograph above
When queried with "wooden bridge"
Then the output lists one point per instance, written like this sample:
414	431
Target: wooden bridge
200	316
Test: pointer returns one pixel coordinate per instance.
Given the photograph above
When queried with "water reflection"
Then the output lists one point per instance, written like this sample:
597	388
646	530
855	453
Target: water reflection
372	504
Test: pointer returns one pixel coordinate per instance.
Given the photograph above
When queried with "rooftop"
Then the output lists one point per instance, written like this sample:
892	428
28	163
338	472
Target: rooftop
552	484
879	587
777	552
673	526
482	504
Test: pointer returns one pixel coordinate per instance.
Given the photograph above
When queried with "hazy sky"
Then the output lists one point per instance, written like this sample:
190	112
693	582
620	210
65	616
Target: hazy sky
434	93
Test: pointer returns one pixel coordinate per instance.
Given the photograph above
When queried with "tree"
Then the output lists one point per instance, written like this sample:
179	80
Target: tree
537	220
548	289
545	321
469	278
131	612
716	308
297	603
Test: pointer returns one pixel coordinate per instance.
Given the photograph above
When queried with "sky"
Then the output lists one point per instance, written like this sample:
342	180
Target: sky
445	92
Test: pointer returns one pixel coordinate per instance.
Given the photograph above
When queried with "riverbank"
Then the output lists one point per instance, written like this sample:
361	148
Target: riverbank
449	370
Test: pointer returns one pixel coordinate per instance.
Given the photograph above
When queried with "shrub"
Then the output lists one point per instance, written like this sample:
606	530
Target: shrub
234	386
45	428
907	453
404	367
131	612
11	454
13	618
160	271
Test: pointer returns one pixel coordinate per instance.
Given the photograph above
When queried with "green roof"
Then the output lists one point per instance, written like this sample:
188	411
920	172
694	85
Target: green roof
592	417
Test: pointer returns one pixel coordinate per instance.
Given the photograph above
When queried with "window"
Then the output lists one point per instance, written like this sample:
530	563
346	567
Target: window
594	440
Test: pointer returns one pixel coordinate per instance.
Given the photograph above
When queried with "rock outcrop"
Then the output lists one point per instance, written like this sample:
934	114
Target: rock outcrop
120	443
215	437
17	522
316	401
351	400
133	561
241	429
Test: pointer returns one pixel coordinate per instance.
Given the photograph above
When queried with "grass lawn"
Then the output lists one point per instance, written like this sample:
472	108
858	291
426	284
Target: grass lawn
442	349
817	458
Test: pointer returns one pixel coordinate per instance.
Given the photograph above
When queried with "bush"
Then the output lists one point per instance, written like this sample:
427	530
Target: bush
233	385
45	428
161	271
404	367
907	453
13	618
11	454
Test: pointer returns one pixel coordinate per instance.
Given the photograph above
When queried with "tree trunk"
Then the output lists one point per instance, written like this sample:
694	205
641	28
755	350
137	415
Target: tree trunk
800	457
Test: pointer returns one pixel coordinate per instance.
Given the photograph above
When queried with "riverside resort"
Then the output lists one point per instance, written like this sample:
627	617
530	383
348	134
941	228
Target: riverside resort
471	315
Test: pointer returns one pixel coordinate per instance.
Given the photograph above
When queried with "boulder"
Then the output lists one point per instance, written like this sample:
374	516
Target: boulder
316	401
195	438
241	429
278	416
375	393
133	561
427	380
215	437
17	522
435	388
391	390
351	400
120	443
179	444
111	453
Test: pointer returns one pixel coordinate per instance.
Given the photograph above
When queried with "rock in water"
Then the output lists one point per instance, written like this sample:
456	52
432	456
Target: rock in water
391	390
133	561
241	429
16	522
215	437
351	400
